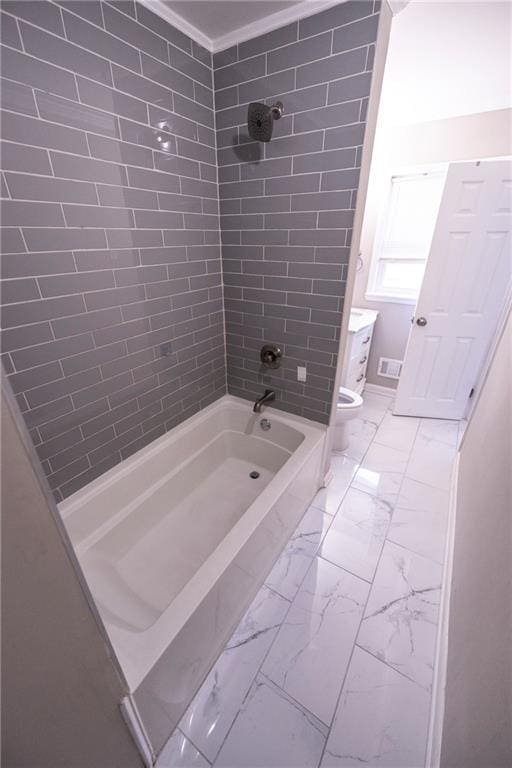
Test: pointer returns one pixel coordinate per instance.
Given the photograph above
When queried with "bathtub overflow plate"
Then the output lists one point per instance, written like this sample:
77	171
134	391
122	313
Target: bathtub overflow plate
265	425
254	474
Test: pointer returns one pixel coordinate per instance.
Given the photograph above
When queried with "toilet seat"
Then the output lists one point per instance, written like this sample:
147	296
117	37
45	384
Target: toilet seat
348	400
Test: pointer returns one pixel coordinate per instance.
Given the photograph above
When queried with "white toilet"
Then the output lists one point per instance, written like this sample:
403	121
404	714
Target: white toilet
349	406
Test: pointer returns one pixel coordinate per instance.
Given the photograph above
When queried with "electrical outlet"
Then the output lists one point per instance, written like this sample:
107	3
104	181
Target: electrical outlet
301	373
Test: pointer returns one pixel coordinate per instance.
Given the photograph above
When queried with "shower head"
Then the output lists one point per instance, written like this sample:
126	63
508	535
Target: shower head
260	119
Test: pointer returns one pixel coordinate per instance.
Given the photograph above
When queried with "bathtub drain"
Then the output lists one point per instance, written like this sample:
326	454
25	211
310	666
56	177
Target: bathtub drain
254	474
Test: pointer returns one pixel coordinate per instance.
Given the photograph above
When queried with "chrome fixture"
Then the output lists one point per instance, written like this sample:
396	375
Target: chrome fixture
265	425
260	119
421	321
268	397
270	355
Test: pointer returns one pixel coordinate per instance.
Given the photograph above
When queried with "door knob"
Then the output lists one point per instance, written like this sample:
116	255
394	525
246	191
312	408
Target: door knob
421	321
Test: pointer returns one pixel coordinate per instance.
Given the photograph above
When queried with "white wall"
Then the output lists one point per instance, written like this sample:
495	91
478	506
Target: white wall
60	690
436	106
477	729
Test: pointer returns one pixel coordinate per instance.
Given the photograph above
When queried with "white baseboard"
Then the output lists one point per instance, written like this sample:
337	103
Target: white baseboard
327	478
435	734
377	389
132	719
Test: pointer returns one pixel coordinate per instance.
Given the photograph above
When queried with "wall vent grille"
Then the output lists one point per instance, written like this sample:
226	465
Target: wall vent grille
389	368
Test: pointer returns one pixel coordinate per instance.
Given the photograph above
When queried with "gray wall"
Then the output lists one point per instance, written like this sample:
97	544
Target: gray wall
110	231
477	729
60	690
287	207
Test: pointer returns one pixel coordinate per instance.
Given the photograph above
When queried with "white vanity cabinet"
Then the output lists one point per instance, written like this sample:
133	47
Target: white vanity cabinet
357	352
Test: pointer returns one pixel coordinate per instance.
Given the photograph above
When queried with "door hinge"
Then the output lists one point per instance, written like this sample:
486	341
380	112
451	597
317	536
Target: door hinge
472	392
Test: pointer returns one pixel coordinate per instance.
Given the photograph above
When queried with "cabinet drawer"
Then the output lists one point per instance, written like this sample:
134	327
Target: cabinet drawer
361	343
356	373
355	382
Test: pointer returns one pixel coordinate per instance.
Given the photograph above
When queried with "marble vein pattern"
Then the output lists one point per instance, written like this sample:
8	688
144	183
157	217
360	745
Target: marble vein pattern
382	458
431	462
272	731
362	432
329	499
375	407
357	534
291	567
214	708
180	753
382	719
400	621
397	432
332	664
384	485
442	430
310	655
420	519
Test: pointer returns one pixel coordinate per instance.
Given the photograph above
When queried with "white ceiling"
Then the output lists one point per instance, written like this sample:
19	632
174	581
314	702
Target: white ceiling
218	24
216	18
446	59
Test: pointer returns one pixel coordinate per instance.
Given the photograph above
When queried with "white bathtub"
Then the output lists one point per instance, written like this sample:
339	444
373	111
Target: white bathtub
175	541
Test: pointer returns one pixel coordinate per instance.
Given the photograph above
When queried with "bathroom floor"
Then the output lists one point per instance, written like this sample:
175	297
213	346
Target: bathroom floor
332	664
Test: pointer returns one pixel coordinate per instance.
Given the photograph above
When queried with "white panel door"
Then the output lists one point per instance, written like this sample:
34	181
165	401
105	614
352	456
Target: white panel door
467	279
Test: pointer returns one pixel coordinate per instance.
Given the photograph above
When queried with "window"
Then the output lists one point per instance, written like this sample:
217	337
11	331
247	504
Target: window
404	236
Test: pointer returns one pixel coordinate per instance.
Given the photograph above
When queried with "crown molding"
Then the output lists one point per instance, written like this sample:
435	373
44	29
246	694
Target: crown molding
256	28
274	21
162	10
267	24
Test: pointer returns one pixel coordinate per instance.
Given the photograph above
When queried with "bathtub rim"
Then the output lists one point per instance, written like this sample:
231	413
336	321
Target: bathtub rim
138	652
68	505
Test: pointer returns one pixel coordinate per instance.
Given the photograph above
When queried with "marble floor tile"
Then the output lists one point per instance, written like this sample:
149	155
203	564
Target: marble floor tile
391	404
400	621
376	401
443	430
397	432
357	584
330	498
385	485
215	706
374	407
382	719
180	753
311	530
357	534
431	462
361	432
420	519
310	655
272	731
381	458
287	574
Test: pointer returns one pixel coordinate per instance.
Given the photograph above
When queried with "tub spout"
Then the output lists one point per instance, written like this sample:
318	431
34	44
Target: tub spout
268	397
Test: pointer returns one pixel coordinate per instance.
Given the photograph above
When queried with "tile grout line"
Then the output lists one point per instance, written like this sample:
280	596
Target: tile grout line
336	708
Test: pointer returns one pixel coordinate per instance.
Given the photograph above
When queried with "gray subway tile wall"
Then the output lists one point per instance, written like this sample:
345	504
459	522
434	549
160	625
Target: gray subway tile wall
110	237
287	207
118	296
